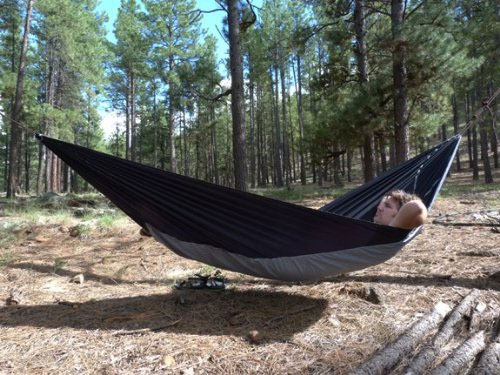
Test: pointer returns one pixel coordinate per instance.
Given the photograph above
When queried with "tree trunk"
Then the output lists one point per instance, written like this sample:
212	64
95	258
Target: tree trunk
469	133
401	116
171	128
455	127
215	153
493	132
127	119
278	171
237	104
16	133
475	156
286	149
383	155
27	164
133	123
362	63
252	136
349	164
464	354
301	122
488	177
6	165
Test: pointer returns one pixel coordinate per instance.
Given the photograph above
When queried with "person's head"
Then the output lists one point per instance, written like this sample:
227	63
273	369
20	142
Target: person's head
390	204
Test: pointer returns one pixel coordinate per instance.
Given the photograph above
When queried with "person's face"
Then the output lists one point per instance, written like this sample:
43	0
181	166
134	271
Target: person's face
386	211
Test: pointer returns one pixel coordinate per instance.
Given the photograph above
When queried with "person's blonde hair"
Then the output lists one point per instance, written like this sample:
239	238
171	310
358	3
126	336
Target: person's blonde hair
402	197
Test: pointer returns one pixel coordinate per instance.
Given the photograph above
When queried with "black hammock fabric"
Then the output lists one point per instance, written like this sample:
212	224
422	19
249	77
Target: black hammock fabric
246	224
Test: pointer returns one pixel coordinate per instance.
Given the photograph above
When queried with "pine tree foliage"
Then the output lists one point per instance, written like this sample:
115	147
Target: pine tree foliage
308	110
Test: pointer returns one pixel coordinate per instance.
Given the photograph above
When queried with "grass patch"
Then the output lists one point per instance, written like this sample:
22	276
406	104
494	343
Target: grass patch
109	220
9	231
298	193
6	259
454	190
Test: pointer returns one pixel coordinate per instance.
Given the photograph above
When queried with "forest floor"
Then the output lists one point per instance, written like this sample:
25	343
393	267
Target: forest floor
124	316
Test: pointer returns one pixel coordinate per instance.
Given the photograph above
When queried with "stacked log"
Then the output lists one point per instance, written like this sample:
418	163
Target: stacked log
479	346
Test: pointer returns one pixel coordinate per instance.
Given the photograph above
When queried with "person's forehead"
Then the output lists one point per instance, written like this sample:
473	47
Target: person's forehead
391	200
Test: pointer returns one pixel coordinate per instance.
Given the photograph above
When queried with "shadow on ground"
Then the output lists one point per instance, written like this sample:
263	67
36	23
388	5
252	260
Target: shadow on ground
200	312
429	280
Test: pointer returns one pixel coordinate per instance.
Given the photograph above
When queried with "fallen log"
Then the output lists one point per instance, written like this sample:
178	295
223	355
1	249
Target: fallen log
424	359
388	357
461	356
465	224
489	363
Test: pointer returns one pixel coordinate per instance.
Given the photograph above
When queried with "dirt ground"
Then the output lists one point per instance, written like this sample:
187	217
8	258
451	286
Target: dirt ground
126	317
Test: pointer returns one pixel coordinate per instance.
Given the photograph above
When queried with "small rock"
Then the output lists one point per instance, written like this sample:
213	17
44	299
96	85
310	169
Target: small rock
369	294
168	360
74	231
63	229
255	336
78	279
14	298
41	239
188	371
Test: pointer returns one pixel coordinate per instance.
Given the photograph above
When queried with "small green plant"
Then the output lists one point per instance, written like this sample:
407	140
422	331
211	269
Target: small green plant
107	221
9	232
207	270
6	259
58	265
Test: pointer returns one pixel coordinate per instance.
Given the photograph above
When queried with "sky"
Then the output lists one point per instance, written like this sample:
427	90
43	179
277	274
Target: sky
210	22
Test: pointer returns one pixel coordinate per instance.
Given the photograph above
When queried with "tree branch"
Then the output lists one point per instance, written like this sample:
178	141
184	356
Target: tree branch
215	99
414	9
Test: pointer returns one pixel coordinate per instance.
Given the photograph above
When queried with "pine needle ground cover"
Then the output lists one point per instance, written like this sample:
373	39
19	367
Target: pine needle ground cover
86	293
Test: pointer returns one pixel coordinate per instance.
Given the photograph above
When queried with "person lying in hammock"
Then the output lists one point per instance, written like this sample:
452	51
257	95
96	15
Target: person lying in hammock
401	209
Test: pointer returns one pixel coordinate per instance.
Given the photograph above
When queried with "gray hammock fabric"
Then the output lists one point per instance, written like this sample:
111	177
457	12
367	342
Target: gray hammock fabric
258	236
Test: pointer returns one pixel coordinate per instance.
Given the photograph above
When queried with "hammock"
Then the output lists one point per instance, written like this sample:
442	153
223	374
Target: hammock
255	235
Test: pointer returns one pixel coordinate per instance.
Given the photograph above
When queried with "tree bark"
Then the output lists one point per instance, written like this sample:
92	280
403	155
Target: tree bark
301	123
286	149
278	159
16	132
171	127
362	63
455	127
464	354
237	104
489	363
252	136
401	115
127	118
133	123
